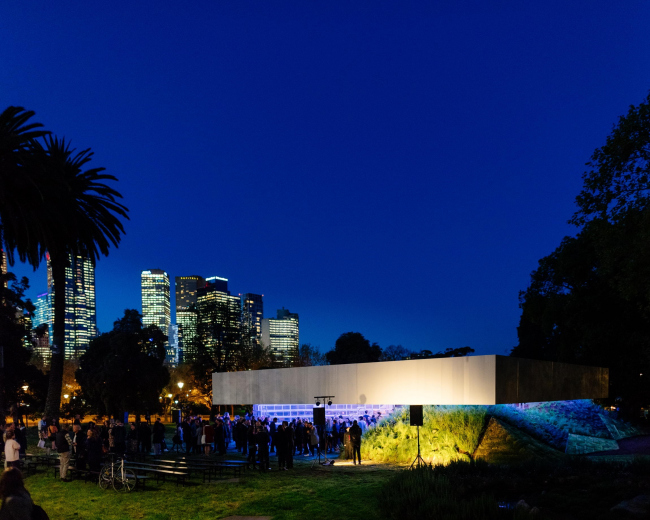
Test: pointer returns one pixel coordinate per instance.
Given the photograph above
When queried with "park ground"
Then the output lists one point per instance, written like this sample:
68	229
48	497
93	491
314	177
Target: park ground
577	488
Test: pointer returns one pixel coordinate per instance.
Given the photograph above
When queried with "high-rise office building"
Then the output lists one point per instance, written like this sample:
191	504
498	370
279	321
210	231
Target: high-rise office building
80	307
186	297
186	291
43	311
281	336
3	264
219	318
186	321
42	316
155	299
172	350
252	313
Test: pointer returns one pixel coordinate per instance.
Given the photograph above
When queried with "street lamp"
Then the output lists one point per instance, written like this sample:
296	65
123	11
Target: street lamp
25	387
180	387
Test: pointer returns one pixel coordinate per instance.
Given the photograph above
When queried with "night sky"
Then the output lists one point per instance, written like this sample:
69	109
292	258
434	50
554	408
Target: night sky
391	168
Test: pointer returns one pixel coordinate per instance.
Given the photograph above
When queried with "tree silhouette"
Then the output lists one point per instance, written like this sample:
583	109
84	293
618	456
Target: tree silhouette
85	222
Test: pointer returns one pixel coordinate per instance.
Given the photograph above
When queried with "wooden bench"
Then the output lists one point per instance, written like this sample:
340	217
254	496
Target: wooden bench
159	472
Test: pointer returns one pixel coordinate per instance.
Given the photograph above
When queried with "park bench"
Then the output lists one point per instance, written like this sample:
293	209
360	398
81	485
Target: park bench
210	467
159	472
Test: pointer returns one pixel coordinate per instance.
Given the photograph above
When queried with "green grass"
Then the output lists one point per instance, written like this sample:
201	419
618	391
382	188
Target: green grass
298	494
449	433
301	493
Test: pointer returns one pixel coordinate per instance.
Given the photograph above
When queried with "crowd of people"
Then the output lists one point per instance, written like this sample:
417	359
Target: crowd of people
257	438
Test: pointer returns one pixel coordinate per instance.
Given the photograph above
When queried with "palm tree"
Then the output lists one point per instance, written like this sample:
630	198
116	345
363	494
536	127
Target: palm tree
20	192
22	187
48	203
84	220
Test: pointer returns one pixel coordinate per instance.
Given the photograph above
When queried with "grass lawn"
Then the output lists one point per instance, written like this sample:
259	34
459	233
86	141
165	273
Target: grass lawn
339	491
301	493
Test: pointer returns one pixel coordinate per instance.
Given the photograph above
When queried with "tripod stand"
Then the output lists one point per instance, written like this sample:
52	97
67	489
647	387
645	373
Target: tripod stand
418	460
326	461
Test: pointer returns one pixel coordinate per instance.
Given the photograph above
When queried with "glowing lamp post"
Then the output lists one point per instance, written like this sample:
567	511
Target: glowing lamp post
180	388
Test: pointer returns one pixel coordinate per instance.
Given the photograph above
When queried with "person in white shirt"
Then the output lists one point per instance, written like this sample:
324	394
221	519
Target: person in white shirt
12	450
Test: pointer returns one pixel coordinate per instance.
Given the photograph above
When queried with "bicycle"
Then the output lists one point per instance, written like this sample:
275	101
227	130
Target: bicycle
116	475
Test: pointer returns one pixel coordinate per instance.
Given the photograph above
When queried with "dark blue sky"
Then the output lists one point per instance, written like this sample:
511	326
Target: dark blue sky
395	169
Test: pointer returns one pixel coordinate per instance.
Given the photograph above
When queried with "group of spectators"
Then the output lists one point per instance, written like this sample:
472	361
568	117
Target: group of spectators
87	446
255	437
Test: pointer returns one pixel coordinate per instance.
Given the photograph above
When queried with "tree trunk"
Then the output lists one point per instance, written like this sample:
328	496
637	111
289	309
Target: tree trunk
53	401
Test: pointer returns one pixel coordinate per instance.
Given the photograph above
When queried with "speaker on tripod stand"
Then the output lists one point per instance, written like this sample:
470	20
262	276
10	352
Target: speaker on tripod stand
417	419
319	424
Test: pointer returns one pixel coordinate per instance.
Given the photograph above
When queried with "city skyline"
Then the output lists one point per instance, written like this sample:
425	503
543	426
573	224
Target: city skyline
393	170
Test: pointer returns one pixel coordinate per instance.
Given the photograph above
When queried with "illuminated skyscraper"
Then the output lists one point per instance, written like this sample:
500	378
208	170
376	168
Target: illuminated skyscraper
42	316
3	264
186	291
80	307
281	336
252	314
186	321
219	318
186	297
155	299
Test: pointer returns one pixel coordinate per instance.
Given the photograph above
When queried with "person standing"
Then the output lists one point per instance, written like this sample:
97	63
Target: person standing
187	436
274	429
158	437
355	440
93	451
145	438
208	433
79	447
289	438
12	450
281	446
63	445
251	438
119	436
263	446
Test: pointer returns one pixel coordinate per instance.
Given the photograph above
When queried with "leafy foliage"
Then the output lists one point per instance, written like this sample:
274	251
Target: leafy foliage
352	347
15	368
395	353
589	301
309	356
449	433
449	352
619	177
422	493
123	370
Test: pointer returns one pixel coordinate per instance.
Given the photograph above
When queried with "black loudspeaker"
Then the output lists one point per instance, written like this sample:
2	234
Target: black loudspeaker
319	416
415	411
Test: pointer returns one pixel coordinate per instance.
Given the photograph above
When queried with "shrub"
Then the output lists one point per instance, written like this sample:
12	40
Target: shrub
420	493
449	433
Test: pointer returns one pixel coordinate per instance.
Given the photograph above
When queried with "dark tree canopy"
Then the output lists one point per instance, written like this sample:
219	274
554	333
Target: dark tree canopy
122	370
618	179
309	356
449	352
589	301
352	347
395	353
15	369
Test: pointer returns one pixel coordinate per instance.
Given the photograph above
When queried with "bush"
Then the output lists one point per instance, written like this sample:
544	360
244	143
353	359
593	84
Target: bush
449	433
421	493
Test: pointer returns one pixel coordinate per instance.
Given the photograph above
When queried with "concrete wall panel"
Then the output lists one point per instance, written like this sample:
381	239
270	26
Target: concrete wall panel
468	380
